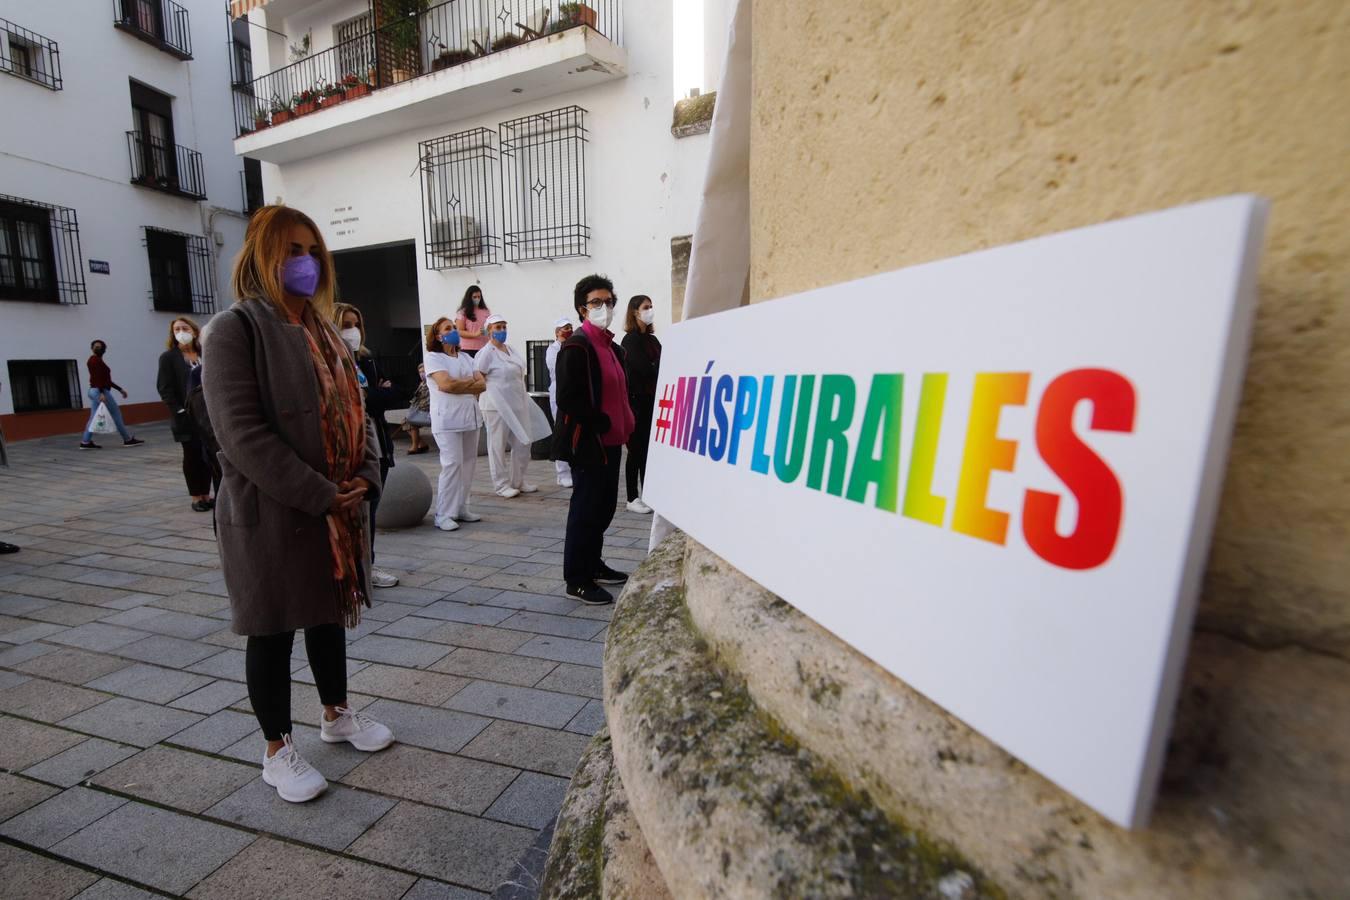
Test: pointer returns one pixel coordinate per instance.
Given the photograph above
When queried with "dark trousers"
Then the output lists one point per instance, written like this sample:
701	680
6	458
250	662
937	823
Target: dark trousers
374	504
267	666
595	491
196	471
635	469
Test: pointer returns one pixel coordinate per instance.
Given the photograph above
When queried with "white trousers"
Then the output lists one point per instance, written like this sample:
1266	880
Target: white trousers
459	457
564	470
500	439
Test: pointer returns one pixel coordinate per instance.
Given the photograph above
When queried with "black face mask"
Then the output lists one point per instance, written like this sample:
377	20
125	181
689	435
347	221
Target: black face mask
99	351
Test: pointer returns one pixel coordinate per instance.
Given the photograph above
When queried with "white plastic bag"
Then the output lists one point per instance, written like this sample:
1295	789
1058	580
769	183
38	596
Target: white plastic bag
103	420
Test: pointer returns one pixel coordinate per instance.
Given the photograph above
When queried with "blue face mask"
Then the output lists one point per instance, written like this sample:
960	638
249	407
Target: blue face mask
451	339
499	336
300	275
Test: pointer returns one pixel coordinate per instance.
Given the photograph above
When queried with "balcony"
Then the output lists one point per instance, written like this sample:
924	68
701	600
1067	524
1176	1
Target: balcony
166	167
455	60
160	23
28	55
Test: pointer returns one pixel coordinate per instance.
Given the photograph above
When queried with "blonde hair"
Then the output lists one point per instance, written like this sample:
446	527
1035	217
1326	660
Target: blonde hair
340	310
196	335
257	268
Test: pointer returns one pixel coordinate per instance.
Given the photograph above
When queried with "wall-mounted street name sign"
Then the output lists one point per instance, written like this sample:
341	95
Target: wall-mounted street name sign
995	475
99	267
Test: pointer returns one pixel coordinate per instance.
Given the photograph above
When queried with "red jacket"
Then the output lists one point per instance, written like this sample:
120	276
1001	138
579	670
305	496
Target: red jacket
100	376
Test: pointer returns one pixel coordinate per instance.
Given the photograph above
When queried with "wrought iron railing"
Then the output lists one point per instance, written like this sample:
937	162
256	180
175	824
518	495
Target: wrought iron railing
162	23
182	272
51	249
407	45
29	55
460	200
544	185
166	167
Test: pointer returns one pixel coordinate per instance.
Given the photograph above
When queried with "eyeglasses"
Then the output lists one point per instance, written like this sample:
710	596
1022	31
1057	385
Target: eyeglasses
597	303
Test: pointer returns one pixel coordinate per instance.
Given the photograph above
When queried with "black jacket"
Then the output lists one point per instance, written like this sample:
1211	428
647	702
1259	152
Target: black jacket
378	400
580	422
172	384
642	363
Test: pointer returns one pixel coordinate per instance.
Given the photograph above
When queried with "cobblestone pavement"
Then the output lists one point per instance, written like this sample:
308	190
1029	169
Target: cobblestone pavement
129	756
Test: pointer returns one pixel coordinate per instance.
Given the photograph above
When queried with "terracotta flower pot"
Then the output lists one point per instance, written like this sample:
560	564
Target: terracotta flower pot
358	90
281	116
304	109
331	100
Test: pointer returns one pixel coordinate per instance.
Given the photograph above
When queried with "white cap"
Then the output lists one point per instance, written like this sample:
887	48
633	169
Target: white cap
493	320
561	323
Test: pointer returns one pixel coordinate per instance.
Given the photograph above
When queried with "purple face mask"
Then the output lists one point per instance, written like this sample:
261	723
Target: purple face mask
300	275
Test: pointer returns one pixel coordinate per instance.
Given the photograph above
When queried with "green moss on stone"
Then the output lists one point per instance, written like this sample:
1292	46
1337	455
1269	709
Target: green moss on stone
694	110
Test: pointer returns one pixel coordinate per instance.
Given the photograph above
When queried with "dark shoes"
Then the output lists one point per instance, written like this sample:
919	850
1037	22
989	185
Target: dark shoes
606	575
590	594
133	442
89	445
8	548
202	505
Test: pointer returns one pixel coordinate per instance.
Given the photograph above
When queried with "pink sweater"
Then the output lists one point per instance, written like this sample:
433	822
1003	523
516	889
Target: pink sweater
613	388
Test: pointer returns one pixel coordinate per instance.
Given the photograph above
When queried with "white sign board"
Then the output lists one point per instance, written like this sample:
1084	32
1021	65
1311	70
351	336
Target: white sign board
995	475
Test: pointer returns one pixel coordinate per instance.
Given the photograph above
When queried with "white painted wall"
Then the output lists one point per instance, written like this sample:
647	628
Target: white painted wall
73	152
643	188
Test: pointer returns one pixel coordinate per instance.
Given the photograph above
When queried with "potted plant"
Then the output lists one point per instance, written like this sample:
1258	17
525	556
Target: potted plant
354	86
401	24
331	95
260	118
282	111
306	101
507	40
448	58
575	14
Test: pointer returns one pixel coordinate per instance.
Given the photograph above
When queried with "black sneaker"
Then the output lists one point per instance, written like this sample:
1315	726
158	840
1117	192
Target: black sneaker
89	445
201	506
606	575
133	442
8	548
590	594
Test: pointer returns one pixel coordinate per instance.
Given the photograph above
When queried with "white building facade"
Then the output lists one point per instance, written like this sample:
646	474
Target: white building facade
514	144
121	201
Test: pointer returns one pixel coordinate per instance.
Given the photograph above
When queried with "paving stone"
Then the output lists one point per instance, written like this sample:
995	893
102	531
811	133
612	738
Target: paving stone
478	637
438	779
71	665
333	760
590	720
124	600
447	583
47	701
444	844
108	889
569	678
545	603
133	618
179	778
384	611
59	817
218	731
410	595
519	704
212	698
306	675
426	889
558	626
434	729
97	636
131	721
333	820
197	604
18	794
27	743
528	747
502	667
163	849
14	656
12	679
35	632
451	611
223	664
68	614
163	650
398	651
227	638
560	649
80	762
20	604
598	613
412	685
29	876
532	800
149	683
410	627
270	869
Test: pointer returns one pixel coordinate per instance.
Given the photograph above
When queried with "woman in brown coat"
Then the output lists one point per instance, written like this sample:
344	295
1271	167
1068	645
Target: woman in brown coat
298	461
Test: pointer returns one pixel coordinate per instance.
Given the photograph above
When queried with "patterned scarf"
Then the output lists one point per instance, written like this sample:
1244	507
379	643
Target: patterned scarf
344	444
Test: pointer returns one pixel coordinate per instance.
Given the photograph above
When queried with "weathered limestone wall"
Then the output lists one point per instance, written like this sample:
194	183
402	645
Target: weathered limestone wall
886	134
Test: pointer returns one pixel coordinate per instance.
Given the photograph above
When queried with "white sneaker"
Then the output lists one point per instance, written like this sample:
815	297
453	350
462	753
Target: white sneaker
359	729
528	488
509	492
467	516
295	780
381	578
637	506
565	482
447	524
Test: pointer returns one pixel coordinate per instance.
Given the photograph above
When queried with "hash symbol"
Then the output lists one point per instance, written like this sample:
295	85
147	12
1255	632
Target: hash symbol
663	408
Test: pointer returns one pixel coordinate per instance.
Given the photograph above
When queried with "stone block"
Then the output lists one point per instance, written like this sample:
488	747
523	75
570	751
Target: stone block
437	779
332	820
212	698
18	794
398	651
57	818
218	731
409	596
97	636
174	624
519	704
12	679
80	763
149	683
167	651
452	611
271	870
67	614
532	800
37	876
558	626
559	649
131	721
35	632
224	664
590	720
569	678
72	665
108	889
14	656
502	667
528	747
412	685
47	701
412	626
27	743
426	889
333	760
478	637
178	778
21	605
433	729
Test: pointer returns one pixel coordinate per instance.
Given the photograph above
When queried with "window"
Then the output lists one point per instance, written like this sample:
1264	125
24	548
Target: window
29	55
40	257
544	185
536	362
153	159
182	277
459	199
250	182
355	46
43	384
162	23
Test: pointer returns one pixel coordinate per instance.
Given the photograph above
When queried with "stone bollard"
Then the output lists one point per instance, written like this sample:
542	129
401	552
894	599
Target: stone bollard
406	498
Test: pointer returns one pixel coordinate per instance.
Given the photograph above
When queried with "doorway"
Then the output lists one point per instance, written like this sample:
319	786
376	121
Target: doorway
382	282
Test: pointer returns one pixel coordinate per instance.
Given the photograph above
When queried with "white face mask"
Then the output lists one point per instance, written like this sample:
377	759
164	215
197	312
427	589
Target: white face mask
601	317
352	338
645	316
183	337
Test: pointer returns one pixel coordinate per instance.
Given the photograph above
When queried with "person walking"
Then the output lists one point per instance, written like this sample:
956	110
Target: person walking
594	422
181	355
512	418
419	413
299	458
101	387
471	321
642	362
380	396
562	330
454	422
4	461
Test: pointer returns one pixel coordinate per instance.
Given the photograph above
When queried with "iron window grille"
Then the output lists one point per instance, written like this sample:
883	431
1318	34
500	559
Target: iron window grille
40	258
182	273
160	23
544	185
38	385
536	366
28	55
459	199
164	166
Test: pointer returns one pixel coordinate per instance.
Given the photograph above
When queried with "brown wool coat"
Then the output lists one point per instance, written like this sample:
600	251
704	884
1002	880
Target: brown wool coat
263	400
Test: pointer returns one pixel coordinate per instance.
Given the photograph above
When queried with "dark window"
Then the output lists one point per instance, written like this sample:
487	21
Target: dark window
182	278
29	55
536	361
251	178
162	23
42	384
152	122
27	258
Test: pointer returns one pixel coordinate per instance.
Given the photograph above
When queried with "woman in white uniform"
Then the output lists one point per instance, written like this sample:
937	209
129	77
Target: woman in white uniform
562	330
512	418
454	421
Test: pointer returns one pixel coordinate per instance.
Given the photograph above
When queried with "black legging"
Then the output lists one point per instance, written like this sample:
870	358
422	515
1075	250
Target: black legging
635	469
196	471
267	666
